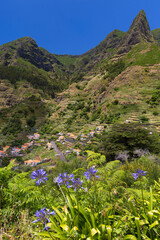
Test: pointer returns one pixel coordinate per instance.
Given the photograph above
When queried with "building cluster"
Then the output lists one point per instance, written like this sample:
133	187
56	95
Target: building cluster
4	151
69	138
9	151
82	139
35	136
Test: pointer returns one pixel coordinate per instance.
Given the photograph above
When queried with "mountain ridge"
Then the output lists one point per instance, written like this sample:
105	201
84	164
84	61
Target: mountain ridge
63	81
27	48
116	41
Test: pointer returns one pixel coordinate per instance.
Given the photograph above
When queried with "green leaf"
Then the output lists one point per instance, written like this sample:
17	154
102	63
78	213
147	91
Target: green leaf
137	220
103	228
45	234
92	220
83	236
150	216
151	199
74	228
143	222
145	237
93	232
109	231
132	207
58	213
153	225
130	237
82	211
70	205
65	227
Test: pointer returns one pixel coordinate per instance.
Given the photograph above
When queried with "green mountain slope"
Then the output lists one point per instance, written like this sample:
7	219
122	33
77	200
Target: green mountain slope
27	71
156	35
122	87
104	50
109	83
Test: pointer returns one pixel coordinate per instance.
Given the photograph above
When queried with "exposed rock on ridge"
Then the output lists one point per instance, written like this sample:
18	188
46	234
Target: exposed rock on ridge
138	32
27	49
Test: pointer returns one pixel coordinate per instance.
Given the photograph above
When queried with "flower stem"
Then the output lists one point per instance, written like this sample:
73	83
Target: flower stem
44	193
142	195
63	195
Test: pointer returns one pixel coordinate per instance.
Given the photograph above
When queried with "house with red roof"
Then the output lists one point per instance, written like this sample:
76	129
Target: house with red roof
32	162
15	151
6	148
77	151
2	153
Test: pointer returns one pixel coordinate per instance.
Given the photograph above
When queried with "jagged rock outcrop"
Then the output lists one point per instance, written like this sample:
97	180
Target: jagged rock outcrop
27	49
138	32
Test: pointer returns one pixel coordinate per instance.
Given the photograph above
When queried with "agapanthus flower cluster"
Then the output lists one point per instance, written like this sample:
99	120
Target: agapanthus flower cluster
139	173
43	216
77	184
40	176
69	181
91	172
65	179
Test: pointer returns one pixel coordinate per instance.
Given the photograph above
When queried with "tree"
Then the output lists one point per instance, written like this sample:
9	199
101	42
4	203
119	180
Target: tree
128	137
31	121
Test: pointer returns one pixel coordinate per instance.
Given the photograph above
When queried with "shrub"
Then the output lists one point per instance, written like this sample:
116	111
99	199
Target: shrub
14	126
115	69
116	89
103	88
31	121
111	118
115	102
94	116
144	119
155	113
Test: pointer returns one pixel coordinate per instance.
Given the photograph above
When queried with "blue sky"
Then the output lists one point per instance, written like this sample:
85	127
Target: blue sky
71	26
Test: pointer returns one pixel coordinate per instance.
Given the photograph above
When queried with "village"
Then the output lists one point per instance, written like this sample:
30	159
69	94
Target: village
63	145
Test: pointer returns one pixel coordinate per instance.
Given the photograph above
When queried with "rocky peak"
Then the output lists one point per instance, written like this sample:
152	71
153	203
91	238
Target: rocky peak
138	32
26	48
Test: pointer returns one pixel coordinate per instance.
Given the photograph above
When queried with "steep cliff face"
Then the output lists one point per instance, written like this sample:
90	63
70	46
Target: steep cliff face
27	49
138	32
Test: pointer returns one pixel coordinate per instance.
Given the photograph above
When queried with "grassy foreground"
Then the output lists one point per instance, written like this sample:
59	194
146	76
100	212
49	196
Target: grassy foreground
98	200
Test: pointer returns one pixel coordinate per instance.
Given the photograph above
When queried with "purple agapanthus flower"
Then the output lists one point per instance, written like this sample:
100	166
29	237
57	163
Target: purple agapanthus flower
139	173
65	179
91	172
43	216
77	184
40	176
